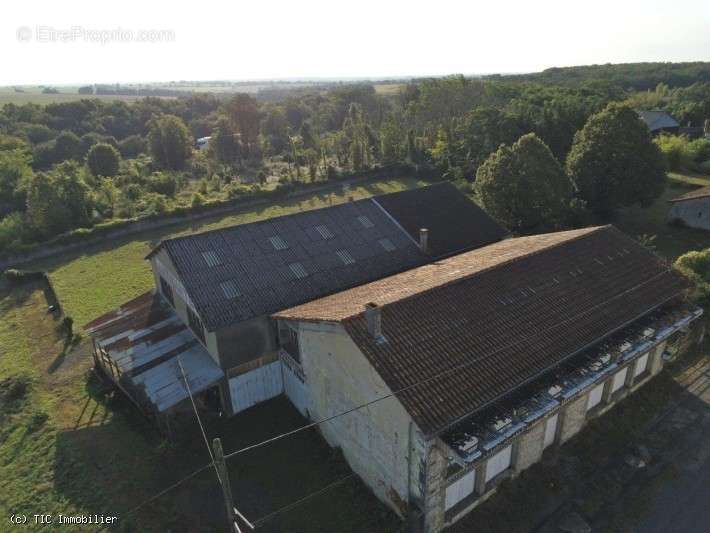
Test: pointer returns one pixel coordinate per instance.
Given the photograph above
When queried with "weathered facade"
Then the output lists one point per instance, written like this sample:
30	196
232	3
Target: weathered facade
691	209
458	375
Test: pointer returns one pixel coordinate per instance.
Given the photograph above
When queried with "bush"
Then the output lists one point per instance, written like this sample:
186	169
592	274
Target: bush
132	146
197	200
696	266
163	183
103	160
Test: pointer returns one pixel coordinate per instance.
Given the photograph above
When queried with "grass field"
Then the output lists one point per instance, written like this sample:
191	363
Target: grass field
11	97
92	281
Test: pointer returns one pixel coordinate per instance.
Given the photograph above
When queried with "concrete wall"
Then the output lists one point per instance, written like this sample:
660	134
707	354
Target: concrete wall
529	446
694	213
572	418
375	440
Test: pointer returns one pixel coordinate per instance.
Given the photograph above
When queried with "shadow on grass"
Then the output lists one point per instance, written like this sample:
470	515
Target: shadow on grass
113	467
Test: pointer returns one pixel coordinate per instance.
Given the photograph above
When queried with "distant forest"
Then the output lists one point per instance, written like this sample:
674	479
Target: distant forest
92	162
630	76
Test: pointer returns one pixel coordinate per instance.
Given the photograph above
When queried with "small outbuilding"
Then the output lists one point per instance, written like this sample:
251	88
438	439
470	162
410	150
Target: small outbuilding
691	209
659	122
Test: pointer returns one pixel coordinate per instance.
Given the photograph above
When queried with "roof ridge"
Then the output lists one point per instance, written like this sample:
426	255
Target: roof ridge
268	219
592	230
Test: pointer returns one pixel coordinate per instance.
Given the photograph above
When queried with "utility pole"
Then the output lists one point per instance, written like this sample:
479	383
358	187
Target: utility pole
226	486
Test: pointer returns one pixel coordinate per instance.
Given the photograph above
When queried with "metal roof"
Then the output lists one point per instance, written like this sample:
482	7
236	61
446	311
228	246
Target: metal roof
657	120
284	261
145	339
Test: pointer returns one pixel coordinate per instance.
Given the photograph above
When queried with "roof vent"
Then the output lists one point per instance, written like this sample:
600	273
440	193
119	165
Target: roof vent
373	316
424	240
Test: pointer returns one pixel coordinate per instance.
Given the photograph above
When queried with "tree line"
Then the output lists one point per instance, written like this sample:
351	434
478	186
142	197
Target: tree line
538	155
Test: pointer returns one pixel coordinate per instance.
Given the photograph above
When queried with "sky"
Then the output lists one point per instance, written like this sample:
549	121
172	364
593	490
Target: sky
133	41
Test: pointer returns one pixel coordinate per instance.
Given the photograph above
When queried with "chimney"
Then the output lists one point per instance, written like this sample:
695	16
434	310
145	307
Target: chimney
424	240
373	316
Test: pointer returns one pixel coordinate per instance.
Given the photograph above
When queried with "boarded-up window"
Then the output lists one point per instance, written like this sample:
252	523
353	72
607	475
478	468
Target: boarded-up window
167	291
595	396
460	489
498	463
641	365
619	380
195	324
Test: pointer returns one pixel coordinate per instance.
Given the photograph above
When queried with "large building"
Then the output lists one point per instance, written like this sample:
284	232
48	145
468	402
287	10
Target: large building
215	291
460	373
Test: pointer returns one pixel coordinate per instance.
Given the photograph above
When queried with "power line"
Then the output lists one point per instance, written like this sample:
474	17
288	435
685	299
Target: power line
199	421
161	493
443	373
361	406
303	500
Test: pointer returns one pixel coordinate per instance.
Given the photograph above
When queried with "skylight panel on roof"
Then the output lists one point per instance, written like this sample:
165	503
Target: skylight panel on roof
387	245
210	258
298	270
345	257
229	288
324	231
366	222
278	242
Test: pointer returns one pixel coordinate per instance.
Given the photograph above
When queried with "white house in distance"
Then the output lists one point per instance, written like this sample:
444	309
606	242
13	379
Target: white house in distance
691	209
472	366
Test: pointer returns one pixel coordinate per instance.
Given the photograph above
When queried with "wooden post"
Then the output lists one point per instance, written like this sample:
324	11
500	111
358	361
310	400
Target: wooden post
221	466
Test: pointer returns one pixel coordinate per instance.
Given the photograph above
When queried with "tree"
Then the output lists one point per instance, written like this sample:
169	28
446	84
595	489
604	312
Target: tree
103	160
170	142
15	170
67	146
45	212
244	114
524	186
614	163
482	131
696	266
224	145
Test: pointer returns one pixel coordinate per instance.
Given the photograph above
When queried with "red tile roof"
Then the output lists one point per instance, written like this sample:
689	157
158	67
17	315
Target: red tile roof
465	331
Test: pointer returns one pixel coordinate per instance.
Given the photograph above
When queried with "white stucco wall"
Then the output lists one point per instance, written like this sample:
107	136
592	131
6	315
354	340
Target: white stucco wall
375	440
694	213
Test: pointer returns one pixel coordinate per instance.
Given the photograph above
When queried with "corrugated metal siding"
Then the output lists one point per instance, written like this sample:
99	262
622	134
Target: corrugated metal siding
256	386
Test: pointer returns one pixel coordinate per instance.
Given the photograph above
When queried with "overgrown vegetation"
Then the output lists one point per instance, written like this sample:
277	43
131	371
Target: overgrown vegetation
89	162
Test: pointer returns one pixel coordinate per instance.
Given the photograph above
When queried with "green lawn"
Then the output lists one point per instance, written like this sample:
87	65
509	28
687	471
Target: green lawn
93	281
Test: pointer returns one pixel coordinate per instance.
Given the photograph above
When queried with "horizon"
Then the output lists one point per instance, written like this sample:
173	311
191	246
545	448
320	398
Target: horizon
278	41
